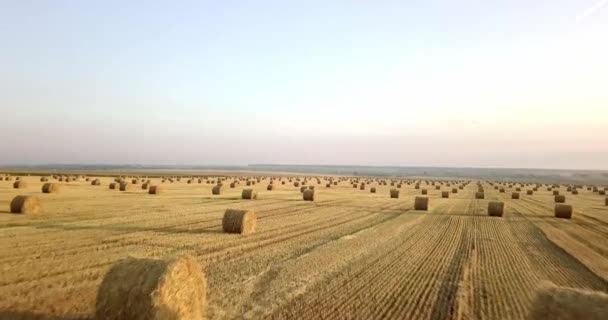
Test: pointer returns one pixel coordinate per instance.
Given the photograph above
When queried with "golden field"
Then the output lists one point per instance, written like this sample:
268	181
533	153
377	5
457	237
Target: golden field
350	254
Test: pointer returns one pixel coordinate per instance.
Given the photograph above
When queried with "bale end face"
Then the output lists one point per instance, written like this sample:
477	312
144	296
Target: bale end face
153	289
421	203
309	195
563	211
560	303
496	209
239	221
25	205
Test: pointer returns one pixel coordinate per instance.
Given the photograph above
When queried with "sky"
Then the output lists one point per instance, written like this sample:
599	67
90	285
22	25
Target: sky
510	83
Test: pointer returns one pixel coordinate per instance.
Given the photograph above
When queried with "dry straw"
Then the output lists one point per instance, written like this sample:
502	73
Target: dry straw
563	211
50	188
25	205
249	194
561	303
114	185
19	184
239	221
155	189
496	208
153	289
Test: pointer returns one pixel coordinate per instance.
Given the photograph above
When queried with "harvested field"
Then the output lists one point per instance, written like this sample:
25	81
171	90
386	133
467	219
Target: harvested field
350	254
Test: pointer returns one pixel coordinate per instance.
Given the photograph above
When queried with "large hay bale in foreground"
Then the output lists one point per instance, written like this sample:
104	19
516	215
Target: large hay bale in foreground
561	303
560	199
25	205
216	190
394	193
309	195
563	211
153	289
479	195
50	188
20	184
249	194
421	203
155	189
496	208
239	221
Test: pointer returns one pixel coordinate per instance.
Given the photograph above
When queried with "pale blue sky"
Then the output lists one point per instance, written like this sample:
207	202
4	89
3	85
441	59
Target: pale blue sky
439	83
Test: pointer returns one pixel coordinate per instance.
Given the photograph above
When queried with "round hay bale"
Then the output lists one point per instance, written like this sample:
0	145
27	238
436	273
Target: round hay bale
309	195
134	181
437	187
25	205
445	194
394	194
157	189
153	289
560	199
216	190
574	191
124	186
556	192
561	303
302	189
270	187
496	208
249	194
454	190
44	179
20	184
424	191
529	192
239	221
563	211
372	190
114	185
421	203
515	195
606	201
602	192
145	185
95	182
479	195
328	185
50	188
296	184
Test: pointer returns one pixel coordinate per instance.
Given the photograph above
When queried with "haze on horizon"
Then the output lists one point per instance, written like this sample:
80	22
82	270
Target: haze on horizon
406	83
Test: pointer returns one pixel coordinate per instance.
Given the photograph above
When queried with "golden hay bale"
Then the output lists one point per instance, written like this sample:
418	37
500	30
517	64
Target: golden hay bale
44	179
296	184
445	194
561	303
556	192
560	199
437	187
249	194
328	185
496	208
216	190
309	195
25	205
394	193
563	211
454	190
124	186
95	182
502	190
421	203
518	189
270	187
114	185
606	201
479	195
145	185
134	181
302	189
153	289
417	186
574	191
515	195
424	191
50	187
155	189
239	221
362	187
529	192
602	192
372	190
20	184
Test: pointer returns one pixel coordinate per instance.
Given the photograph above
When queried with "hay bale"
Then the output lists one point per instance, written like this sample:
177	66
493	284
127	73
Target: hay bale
563	211
114	185
270	187
249	194
155	189
25	205
454	190
556	192
134	181
437	187
216	190
302	189
135	288
445	194
515	195
239	221
124	186
529	192
502	190
574	191
372	190
394	194
50	188
233	185
20	184
95	182
496	208
606	201
602	192
421	203
561	303
309	195
424	191
560	199
479	195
